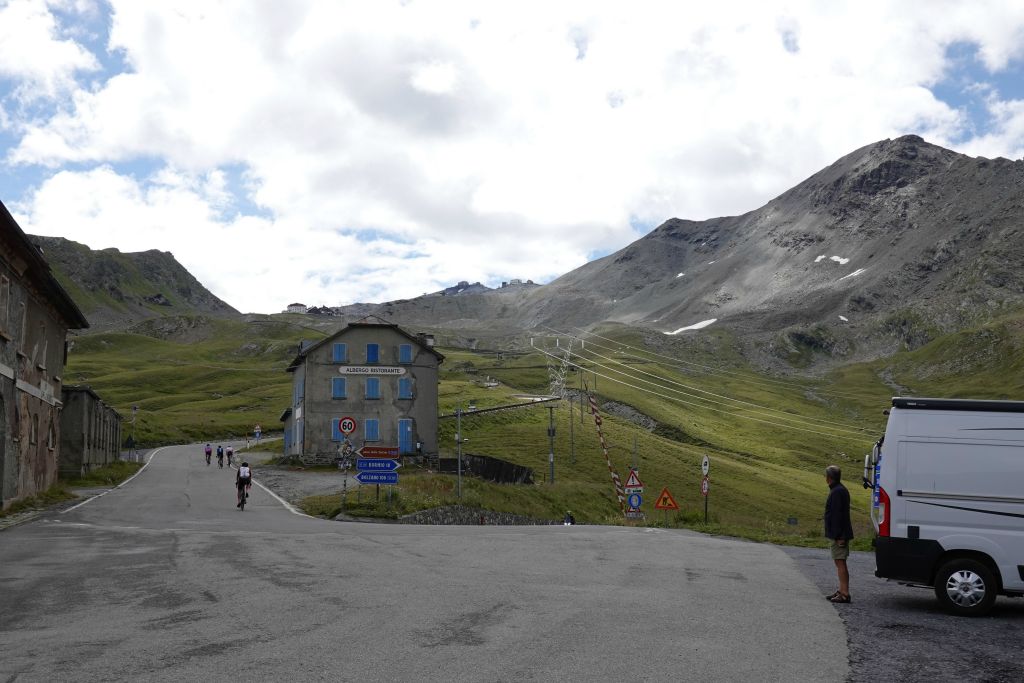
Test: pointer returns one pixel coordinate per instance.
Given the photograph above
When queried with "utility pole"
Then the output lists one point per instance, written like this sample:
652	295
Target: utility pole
581	396
132	453
551	440
572	434
458	445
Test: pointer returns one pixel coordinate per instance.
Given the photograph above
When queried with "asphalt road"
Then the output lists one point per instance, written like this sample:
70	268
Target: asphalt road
164	579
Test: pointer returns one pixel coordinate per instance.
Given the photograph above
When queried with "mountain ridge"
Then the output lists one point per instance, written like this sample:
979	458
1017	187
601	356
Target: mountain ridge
119	289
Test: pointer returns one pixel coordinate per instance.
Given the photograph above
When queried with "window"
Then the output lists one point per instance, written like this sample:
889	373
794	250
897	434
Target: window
338	387
45	341
340	353
405	353
372	430
405	387
373	387
373	353
5	301
336	434
51	436
33	432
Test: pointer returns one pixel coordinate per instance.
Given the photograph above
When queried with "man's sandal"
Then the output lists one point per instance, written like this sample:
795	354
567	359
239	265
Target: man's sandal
831	595
839	598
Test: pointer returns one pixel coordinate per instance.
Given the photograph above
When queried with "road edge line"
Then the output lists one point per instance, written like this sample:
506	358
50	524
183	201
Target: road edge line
287	506
100	495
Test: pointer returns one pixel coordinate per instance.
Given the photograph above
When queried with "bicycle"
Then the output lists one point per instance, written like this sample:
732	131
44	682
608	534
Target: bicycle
220	460
208	452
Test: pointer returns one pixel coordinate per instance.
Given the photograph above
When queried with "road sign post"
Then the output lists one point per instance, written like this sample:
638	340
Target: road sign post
665	502
705	487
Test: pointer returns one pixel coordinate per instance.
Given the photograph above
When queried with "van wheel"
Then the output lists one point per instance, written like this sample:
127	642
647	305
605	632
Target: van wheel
965	587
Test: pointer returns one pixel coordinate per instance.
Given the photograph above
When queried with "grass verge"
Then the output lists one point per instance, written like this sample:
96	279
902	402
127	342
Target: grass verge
108	475
58	493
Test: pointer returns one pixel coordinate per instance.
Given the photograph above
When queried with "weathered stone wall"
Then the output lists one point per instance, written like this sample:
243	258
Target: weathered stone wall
460	514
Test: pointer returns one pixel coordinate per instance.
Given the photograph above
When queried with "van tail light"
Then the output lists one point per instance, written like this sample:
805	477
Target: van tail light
883	512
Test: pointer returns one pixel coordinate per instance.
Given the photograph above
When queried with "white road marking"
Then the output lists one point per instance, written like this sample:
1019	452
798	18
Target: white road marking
288	506
100	495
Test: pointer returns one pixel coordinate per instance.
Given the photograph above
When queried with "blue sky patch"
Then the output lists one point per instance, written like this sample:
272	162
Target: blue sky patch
969	85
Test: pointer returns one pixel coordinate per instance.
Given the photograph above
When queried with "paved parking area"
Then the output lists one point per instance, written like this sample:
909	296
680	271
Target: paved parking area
898	633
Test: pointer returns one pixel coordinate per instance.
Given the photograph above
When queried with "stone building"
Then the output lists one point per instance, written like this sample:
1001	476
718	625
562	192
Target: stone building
296	308
90	432
35	316
375	373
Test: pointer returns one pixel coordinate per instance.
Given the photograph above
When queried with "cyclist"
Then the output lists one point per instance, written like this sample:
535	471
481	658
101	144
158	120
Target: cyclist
220	456
243	482
208	452
231	454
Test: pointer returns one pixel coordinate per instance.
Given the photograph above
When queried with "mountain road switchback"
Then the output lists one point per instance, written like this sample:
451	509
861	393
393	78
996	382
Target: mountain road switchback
164	579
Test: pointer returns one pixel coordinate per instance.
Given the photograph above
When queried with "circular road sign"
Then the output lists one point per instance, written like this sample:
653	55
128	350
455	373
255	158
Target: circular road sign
705	465
635	500
346	425
704	486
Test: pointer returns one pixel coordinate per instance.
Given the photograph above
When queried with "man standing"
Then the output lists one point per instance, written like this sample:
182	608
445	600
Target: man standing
839	530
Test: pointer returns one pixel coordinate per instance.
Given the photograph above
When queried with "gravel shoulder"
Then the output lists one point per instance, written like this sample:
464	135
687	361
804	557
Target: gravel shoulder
899	633
294	484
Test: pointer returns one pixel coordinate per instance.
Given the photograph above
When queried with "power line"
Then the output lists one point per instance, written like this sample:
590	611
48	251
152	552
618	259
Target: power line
709	369
704	407
782	413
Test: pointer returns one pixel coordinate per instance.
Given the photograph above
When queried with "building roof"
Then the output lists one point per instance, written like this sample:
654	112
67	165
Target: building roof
86	389
28	261
299	359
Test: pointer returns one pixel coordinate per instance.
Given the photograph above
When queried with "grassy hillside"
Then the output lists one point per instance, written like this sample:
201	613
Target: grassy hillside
768	437
215	382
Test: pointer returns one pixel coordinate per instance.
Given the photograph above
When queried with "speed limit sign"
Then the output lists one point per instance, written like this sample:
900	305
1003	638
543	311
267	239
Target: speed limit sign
346	425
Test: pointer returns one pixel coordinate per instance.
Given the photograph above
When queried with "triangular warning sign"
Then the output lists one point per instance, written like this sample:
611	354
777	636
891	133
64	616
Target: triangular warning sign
633	481
665	501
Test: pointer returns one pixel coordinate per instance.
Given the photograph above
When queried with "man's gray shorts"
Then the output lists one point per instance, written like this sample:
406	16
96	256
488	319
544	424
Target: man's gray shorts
840	552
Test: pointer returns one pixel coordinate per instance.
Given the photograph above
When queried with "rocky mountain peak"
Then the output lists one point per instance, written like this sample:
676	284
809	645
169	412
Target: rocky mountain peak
116	289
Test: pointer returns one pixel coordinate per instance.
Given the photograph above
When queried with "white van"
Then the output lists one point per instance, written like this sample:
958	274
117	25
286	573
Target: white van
948	503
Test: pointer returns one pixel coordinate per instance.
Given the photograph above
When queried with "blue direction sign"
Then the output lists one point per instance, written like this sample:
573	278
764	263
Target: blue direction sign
377	477
376	465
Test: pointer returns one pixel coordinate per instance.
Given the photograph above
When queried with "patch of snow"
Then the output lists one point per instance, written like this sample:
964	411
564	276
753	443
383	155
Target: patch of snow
696	326
823	256
840	260
853	274
844	318
710	262
680	275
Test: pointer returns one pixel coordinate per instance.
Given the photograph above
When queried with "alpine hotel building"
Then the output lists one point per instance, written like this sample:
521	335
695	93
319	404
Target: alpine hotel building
375	373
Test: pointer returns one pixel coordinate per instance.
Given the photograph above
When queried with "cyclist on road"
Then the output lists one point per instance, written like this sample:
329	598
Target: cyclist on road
243	482
220	456
231	455
208	451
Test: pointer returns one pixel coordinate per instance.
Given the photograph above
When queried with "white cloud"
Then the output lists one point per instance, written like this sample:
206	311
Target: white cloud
473	141
34	51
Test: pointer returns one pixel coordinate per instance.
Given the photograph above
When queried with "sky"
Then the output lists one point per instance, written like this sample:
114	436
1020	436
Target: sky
332	152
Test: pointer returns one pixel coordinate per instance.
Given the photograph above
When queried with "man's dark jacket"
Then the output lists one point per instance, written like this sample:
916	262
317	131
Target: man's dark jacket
837	513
